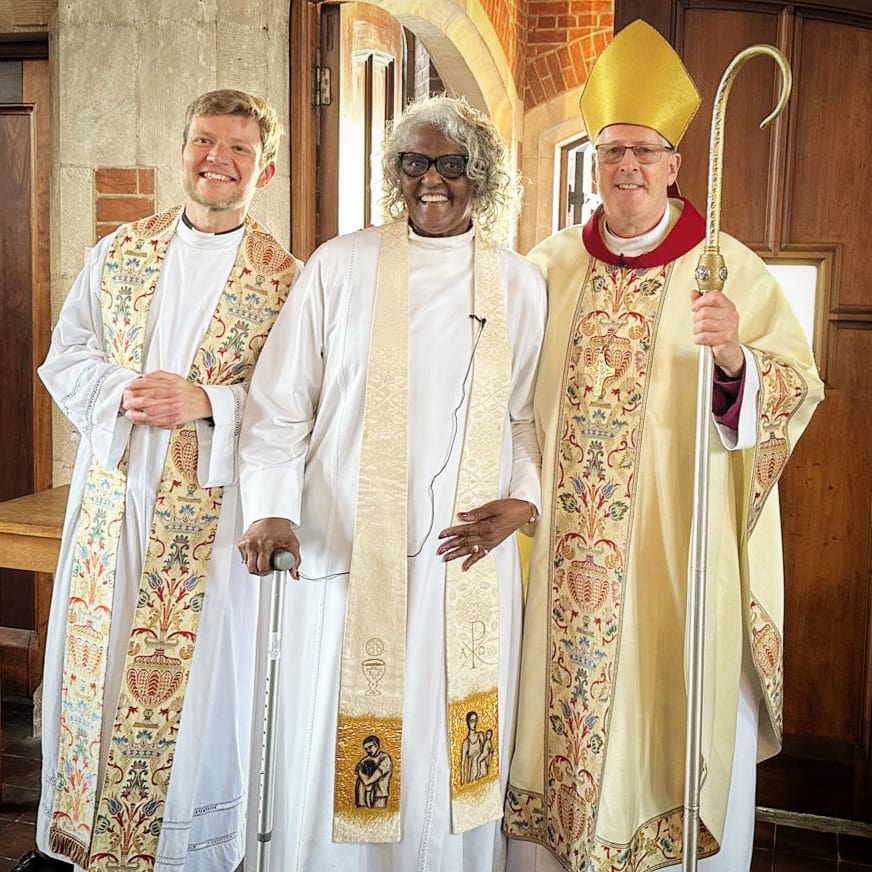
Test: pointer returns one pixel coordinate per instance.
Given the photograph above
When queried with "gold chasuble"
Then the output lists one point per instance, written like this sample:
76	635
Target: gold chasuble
367	791
597	774
116	825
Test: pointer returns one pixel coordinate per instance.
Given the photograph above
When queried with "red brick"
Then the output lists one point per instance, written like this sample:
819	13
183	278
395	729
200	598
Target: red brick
112	180
103	229
564	58
546	9
549	88
547	22
541	67
578	59
548	37
123	208
146	181
554	67
536	88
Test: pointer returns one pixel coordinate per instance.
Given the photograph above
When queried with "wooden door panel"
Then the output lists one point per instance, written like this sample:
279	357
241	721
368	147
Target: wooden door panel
16	348
711	38
825	510
832	168
363	47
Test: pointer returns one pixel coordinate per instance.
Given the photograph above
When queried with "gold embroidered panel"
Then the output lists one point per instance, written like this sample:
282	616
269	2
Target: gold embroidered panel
603	400
599	434
782	391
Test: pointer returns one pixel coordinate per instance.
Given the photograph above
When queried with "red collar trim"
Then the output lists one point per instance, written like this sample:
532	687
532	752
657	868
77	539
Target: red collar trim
688	232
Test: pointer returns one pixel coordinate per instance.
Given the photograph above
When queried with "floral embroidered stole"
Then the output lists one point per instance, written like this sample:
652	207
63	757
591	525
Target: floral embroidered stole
116	825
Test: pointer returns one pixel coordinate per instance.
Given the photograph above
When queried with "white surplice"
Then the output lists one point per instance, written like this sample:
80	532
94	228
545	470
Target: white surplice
300	451
204	816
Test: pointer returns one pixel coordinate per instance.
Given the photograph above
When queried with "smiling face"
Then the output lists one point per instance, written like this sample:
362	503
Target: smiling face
221	169
633	194
437	206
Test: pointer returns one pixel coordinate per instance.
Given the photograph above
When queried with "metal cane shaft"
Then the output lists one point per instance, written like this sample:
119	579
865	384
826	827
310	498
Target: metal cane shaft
695	623
281	564
711	274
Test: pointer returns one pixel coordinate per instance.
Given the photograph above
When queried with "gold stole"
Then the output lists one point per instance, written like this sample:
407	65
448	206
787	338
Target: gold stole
369	735
119	826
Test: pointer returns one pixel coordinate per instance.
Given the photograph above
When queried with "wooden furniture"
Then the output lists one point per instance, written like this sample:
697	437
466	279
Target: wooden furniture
30	530
30	539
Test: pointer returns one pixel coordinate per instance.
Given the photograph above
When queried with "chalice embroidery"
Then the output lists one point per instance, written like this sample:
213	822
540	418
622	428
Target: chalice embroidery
373	667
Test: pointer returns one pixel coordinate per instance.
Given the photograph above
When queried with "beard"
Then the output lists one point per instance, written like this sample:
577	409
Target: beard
238	200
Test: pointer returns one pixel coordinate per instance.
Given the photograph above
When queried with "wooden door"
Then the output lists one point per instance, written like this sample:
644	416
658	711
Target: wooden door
25	407
799	194
362	47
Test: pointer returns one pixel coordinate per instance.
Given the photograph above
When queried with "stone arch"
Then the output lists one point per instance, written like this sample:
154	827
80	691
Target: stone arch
465	49
546	127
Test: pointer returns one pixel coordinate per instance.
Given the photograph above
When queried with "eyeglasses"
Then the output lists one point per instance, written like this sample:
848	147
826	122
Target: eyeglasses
644	153
449	166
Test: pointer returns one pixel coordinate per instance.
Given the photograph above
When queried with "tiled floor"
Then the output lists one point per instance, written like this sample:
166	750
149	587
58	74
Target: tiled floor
20	788
776	848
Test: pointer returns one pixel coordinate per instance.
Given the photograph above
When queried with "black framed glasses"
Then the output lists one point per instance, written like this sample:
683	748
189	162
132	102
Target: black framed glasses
645	153
449	166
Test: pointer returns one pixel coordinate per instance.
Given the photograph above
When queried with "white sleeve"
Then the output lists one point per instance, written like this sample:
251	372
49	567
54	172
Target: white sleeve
218	439
282	401
86	387
746	435
526	295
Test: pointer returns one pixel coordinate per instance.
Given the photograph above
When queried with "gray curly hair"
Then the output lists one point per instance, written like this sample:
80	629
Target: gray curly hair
496	189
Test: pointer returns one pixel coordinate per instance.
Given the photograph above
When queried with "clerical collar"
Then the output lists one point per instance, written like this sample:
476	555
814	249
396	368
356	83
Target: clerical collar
687	231
187	222
633	246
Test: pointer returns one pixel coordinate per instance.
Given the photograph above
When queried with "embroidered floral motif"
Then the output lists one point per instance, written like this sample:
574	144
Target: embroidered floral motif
600	429
123	833
768	653
782	391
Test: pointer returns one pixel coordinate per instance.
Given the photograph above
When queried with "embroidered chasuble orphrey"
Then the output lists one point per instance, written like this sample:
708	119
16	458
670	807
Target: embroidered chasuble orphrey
116	825
597	774
368	778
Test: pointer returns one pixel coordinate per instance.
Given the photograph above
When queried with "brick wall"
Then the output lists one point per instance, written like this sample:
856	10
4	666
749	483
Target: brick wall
550	44
564	38
122	194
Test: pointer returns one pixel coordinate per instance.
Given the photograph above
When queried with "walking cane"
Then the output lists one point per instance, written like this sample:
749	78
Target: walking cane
710	274
282	563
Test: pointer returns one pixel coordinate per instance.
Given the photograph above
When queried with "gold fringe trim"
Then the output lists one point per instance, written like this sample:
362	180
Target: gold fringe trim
63	843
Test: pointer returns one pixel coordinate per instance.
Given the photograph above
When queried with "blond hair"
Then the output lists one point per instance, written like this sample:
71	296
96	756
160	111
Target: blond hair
229	102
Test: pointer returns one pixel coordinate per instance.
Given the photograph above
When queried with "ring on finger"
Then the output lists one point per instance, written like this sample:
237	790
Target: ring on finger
484	551
476	548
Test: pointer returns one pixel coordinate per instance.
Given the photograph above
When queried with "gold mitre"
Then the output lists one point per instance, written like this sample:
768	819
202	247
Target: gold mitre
639	79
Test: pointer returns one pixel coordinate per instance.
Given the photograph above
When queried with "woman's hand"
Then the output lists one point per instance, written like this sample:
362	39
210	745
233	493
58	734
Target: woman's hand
262	539
483	529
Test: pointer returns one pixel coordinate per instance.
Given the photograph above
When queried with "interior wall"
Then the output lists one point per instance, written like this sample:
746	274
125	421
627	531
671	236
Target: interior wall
123	74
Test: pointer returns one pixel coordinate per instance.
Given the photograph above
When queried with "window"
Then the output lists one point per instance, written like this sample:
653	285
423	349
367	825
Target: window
799	281
574	199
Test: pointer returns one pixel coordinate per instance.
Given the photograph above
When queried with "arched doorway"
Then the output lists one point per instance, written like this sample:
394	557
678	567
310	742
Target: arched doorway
365	46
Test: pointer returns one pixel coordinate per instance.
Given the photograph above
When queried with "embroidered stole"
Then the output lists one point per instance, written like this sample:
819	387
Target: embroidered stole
369	735
116	825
